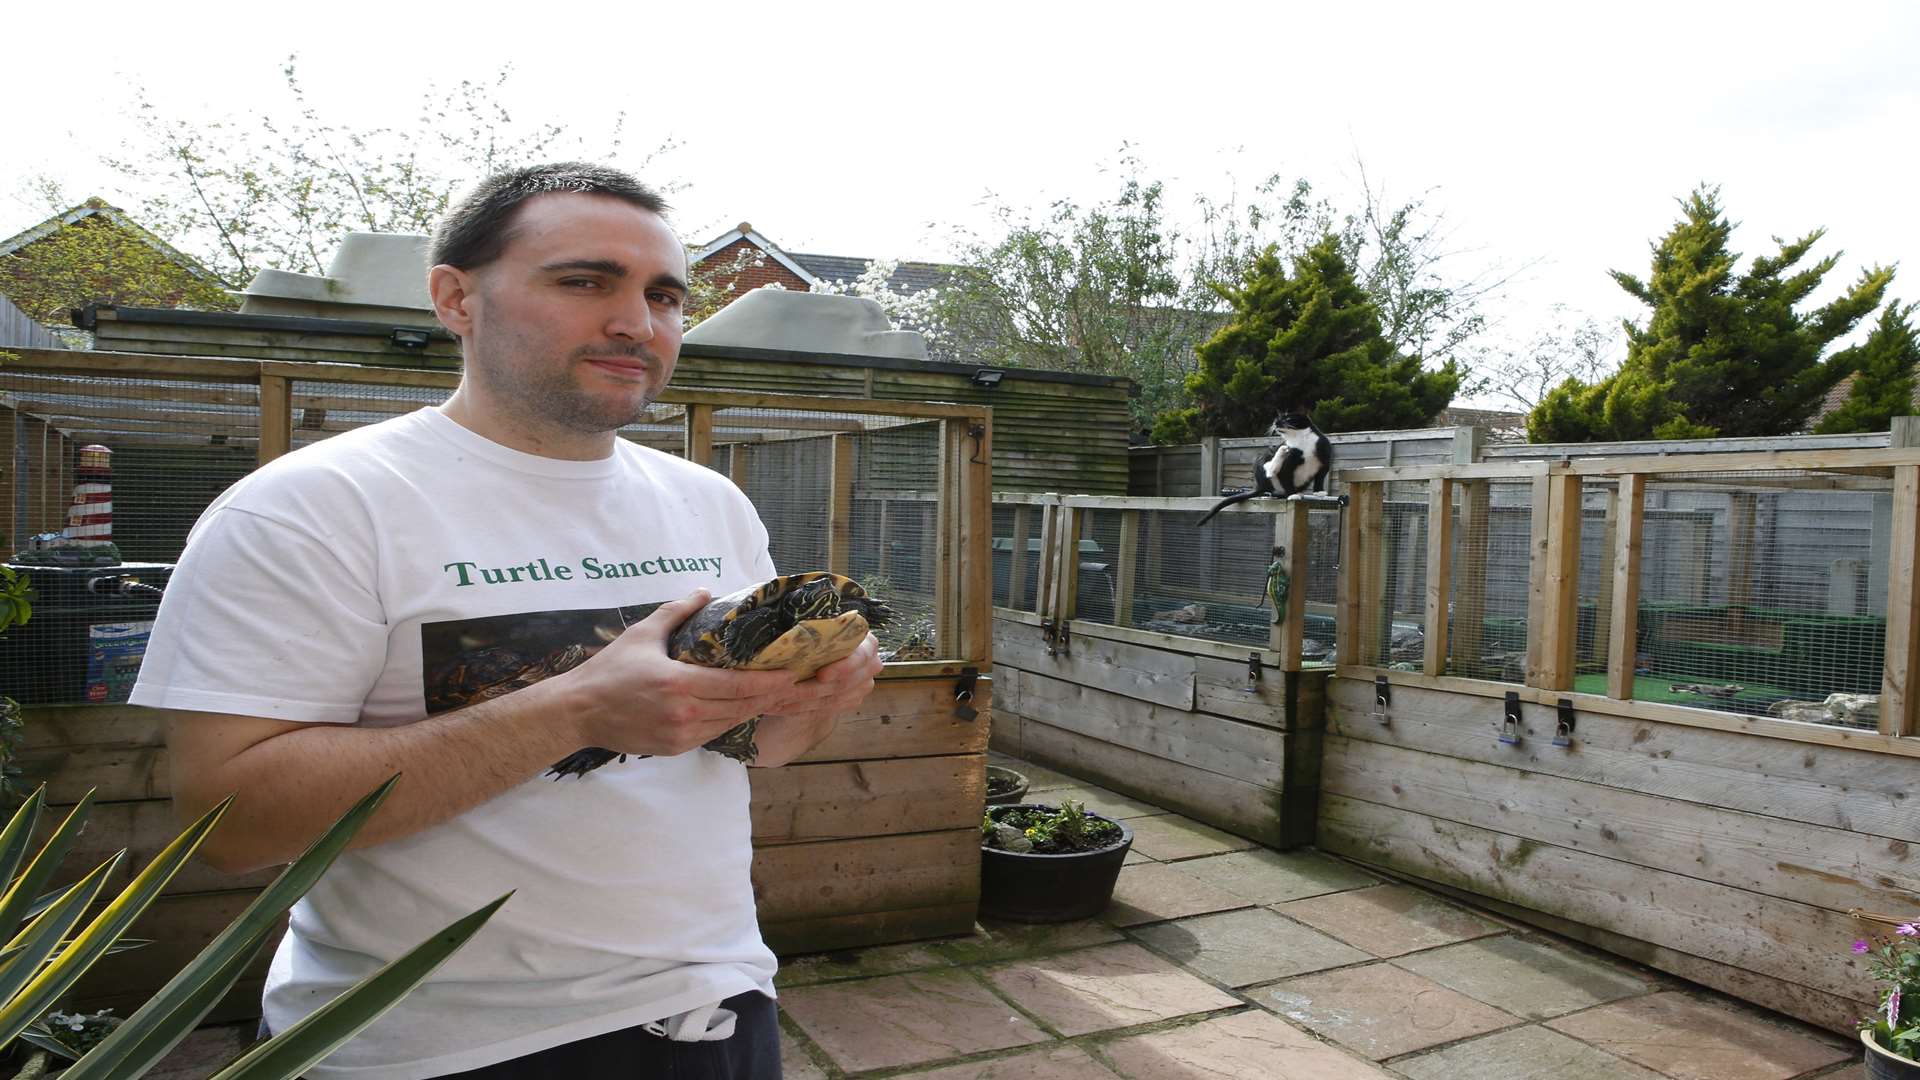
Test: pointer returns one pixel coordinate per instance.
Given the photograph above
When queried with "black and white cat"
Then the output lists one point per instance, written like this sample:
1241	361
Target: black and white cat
1298	464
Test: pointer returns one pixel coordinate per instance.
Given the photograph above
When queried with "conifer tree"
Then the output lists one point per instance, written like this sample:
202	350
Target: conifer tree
1309	339
1884	364
1722	352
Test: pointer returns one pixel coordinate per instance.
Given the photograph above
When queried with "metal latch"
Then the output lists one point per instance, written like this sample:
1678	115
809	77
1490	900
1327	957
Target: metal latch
1563	730
1510	721
1253	672
963	694
1382	697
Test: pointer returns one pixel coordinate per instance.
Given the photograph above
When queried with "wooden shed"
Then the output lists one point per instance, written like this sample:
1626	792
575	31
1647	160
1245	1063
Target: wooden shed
1053	430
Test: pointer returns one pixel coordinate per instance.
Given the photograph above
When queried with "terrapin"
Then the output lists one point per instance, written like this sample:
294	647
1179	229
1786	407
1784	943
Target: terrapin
799	622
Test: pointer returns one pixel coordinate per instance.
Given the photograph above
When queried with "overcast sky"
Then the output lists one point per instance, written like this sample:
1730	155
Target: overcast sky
1553	141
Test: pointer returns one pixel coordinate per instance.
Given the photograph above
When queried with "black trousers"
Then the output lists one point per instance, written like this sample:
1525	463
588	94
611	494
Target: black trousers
751	1053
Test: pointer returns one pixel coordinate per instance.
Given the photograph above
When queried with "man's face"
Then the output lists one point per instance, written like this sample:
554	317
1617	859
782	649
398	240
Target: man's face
578	323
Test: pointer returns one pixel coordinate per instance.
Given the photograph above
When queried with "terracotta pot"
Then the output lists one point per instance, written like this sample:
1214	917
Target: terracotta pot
1884	1064
1034	888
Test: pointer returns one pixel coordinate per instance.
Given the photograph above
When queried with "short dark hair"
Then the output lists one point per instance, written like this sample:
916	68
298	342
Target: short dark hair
478	228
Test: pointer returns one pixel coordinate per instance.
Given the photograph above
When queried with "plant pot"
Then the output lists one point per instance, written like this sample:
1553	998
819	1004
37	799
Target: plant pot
1002	777
1884	1064
1033	888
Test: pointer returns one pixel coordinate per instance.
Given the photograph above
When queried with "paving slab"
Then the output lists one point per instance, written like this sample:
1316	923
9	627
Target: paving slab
795	1062
205	1051
1154	892
898	1020
1136	857
1058	1063
1389	920
857	964
993	940
1101	801
1252	1045
1524	977
1105	987
1275	877
1170	836
1686	1038
1039	777
1254	945
1527	1053
1381	1011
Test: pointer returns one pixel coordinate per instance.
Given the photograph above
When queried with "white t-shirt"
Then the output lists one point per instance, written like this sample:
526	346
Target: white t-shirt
401	570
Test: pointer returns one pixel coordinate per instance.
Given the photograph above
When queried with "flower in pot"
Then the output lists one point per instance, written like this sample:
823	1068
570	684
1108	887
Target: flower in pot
1041	863
1005	786
1891	1037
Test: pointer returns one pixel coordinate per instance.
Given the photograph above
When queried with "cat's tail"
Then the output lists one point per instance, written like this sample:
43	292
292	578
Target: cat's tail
1223	504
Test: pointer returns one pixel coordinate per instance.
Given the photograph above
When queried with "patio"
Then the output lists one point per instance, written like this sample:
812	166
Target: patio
1220	958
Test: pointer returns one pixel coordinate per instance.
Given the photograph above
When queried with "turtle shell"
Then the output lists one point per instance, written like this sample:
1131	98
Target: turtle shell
801	622
796	622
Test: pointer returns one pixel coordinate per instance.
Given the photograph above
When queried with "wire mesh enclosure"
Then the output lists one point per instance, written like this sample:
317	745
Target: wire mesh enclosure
107	462
1780	586
1766	593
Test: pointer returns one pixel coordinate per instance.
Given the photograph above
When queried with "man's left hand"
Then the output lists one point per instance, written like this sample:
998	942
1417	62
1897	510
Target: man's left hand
835	690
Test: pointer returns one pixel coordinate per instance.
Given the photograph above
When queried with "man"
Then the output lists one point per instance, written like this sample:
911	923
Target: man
354	610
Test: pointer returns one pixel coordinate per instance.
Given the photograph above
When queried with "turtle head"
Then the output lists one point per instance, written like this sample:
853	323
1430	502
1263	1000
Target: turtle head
817	599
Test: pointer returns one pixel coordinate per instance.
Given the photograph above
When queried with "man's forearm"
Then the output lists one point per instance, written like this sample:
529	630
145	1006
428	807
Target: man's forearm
291	787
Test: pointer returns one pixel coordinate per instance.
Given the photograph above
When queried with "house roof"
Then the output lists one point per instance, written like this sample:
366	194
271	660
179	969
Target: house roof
100	208
745	231
907	277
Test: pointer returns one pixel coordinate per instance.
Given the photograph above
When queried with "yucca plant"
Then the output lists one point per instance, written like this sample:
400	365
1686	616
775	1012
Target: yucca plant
41	962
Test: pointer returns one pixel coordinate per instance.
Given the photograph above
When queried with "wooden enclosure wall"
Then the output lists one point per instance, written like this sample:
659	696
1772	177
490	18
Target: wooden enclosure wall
872	836
1727	858
1167	722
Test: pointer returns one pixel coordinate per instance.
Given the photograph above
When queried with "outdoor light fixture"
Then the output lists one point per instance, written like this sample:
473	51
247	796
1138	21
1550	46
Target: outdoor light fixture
987	378
409	339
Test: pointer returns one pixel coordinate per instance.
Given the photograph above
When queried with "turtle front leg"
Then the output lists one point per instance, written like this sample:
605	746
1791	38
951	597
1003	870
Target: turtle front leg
737	742
582	762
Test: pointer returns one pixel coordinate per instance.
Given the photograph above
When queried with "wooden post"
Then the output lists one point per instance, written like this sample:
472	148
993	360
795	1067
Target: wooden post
1043	586
1629	521
737	457
1290	532
1362	575
1439	573
1554	574
839	504
946	530
276	417
886	544
1467	442
1897	691
1470	609
1066	577
1017	562
699	431
1210	466
1128	555
975	572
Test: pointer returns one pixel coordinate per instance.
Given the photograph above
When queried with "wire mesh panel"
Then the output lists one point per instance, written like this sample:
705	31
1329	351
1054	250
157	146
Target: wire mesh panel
1765	593
1492	529
854	493
1593	609
1017	535
322	409
1207	582
1403	562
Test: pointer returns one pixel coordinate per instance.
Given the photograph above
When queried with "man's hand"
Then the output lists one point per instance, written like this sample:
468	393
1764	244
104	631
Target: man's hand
843	685
633	698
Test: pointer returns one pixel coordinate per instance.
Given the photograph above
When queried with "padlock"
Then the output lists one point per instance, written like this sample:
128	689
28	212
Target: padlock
1563	729
1510	721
